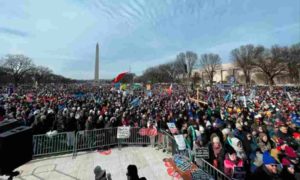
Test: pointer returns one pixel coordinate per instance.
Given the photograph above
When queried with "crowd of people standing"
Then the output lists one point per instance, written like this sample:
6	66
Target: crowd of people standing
256	127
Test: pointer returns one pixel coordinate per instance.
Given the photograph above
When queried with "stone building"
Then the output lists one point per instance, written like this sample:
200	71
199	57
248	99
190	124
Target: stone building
229	70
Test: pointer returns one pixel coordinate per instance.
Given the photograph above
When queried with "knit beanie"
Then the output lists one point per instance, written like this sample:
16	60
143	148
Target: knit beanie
268	159
285	162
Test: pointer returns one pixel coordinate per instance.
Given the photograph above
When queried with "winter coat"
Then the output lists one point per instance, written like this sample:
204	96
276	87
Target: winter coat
264	146
239	134
239	150
263	173
285	175
219	159
229	165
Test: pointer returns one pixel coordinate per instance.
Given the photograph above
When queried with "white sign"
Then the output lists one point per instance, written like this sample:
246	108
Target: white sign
289	96
172	128
123	132
180	141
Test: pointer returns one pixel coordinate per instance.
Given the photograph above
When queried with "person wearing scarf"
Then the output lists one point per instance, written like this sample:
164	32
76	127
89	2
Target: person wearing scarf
237	146
216	152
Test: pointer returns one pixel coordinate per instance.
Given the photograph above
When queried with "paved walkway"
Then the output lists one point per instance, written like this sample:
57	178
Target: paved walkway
148	160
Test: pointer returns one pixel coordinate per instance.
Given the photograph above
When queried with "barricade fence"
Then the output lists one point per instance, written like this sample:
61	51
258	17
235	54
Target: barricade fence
44	144
136	139
92	139
69	142
211	170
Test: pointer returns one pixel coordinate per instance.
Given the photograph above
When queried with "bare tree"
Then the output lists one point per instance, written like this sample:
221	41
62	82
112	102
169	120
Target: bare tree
243	58
41	73
170	69
196	78
191	59
273	62
180	64
17	65
210	63
294	63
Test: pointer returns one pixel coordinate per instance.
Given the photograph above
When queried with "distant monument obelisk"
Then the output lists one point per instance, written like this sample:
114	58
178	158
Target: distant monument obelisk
97	64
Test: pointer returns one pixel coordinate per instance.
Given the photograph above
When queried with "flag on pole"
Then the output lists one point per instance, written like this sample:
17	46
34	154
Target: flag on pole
119	77
123	87
228	97
170	89
135	102
117	85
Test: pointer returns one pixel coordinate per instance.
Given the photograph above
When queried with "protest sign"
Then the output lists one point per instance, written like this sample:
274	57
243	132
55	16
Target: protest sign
289	96
239	173
182	162
148	87
123	132
180	141
172	128
199	174
202	152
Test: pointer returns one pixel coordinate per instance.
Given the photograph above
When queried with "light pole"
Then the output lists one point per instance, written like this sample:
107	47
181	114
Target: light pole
222	75
202	79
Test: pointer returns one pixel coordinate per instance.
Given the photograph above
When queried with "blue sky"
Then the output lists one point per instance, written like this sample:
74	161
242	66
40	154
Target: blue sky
62	34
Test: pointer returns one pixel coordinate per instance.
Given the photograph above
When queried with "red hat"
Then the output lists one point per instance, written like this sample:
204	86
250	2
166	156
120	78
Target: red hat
290	152
280	142
285	162
296	135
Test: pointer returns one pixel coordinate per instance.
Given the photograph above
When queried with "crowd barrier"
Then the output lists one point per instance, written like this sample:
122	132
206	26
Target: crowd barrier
69	142
211	170
91	139
59	143
167	142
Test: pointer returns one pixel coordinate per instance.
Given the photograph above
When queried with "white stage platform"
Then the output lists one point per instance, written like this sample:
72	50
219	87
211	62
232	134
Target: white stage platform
148	160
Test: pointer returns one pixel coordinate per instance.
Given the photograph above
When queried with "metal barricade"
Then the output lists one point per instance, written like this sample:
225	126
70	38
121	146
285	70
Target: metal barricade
135	138
211	170
59	143
168	143
92	139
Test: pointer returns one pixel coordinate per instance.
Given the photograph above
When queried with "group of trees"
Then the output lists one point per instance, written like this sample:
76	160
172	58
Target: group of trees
19	68
270	63
173	71
181	69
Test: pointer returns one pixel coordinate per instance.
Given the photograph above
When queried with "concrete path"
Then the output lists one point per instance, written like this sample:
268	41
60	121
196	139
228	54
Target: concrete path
148	160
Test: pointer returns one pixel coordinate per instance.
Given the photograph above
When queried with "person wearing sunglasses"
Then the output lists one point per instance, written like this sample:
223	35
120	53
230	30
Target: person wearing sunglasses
268	171
288	171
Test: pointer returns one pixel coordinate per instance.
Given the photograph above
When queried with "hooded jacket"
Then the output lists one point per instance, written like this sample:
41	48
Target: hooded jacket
239	150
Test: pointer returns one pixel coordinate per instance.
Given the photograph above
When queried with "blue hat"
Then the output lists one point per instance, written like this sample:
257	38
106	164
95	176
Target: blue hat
296	120
268	159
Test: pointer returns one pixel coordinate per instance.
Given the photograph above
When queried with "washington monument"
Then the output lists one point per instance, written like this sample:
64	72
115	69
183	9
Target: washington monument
97	64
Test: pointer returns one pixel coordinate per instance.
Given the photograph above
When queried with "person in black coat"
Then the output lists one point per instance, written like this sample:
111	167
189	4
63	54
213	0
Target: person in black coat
288	171
268	171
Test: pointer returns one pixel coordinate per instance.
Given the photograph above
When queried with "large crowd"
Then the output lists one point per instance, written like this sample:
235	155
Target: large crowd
252	127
